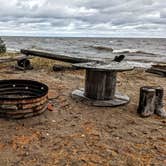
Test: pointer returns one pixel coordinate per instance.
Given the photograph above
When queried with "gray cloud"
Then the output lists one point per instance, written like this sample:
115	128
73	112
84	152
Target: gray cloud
81	18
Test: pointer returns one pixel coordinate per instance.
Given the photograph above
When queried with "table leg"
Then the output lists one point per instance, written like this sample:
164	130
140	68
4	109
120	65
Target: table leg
100	85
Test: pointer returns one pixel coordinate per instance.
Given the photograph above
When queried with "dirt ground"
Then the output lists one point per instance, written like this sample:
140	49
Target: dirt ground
76	134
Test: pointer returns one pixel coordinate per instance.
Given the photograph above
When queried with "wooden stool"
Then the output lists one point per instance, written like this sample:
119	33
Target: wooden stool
100	84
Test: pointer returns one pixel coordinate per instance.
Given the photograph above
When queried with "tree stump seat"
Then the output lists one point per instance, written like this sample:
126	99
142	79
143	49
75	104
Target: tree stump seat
151	101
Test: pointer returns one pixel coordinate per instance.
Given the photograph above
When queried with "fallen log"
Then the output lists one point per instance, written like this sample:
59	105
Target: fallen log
158	71
54	56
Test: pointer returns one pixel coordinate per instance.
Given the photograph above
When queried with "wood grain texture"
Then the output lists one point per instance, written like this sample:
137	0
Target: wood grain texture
54	56
100	85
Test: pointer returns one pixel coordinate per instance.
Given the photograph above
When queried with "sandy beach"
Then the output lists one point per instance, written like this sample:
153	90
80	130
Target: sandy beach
83	83
76	134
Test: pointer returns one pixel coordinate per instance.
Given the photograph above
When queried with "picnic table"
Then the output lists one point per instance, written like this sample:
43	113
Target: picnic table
100	83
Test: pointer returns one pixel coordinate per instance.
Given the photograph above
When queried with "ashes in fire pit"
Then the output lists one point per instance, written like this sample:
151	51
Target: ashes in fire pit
22	98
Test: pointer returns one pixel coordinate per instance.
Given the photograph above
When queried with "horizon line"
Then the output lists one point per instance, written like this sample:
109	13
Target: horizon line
49	36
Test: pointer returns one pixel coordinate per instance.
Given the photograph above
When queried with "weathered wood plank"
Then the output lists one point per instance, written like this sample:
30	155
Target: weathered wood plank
54	56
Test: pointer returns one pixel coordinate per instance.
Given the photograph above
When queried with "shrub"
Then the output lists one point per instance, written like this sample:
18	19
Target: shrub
2	46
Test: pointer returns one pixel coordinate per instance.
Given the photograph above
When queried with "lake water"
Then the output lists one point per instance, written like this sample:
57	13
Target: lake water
135	48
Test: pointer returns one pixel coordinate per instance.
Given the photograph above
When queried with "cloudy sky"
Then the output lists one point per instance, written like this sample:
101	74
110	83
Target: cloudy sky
108	18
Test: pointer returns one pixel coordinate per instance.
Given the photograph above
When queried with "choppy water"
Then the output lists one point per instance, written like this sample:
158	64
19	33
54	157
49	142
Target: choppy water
138	48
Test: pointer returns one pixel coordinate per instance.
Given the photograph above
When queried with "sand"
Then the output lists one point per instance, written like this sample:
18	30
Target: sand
76	134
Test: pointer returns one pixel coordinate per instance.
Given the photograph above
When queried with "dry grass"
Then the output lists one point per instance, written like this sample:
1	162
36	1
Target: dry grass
46	64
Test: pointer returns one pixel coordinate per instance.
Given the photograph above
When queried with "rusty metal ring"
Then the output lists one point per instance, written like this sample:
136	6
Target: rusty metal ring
22	98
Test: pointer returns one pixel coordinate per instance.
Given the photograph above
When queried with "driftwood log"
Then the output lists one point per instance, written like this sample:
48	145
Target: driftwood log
158	71
151	101
55	56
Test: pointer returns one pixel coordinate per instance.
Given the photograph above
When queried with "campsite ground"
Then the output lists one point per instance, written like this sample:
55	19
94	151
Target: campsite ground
76	134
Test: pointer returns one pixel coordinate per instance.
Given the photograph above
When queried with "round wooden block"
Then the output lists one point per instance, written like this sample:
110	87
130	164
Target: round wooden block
118	100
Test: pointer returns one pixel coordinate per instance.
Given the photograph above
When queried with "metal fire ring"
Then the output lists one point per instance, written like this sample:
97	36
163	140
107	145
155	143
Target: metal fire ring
22	98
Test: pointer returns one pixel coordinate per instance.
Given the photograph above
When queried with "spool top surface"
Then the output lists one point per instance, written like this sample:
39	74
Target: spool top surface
103	66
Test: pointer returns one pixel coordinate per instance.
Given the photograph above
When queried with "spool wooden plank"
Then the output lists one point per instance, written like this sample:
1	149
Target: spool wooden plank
119	99
104	66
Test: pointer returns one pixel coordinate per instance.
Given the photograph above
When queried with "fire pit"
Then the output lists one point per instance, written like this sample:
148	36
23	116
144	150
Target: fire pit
22	98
